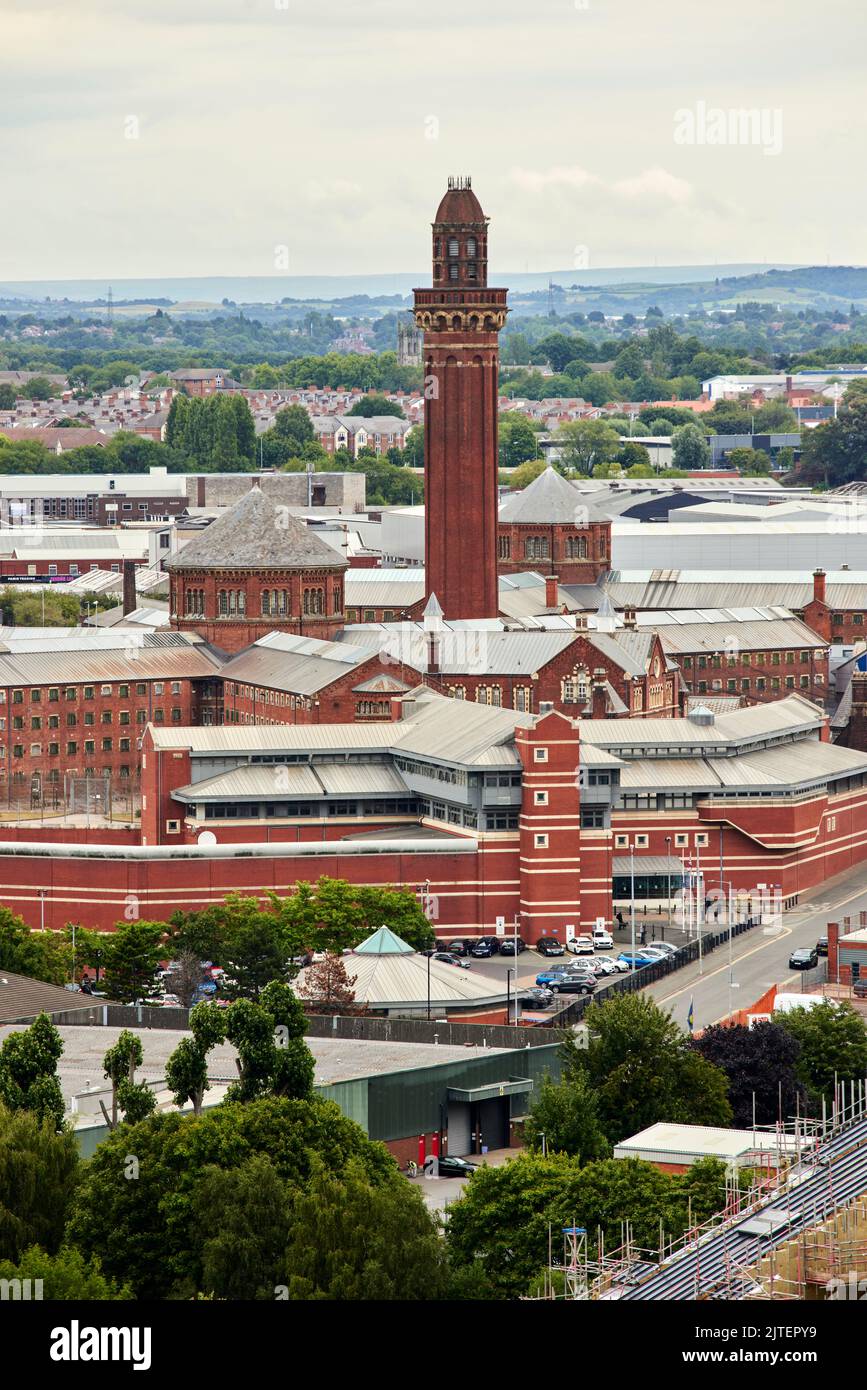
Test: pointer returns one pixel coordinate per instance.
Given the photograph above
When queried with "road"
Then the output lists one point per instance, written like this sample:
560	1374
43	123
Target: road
760	958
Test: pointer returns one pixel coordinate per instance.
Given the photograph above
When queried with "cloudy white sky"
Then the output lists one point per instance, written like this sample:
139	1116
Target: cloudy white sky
330	126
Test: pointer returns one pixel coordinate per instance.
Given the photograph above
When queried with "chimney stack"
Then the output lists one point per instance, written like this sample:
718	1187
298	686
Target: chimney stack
598	695
819	586
551	585
130	600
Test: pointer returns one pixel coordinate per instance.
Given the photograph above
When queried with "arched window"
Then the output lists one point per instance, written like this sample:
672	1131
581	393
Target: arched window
266	603
454	248
471	246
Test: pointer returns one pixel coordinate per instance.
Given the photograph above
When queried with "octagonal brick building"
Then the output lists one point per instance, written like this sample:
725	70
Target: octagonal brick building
256	569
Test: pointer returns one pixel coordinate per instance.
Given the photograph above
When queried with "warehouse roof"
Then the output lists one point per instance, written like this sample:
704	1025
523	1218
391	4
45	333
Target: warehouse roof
257	532
104	654
673	588
258	783
792	715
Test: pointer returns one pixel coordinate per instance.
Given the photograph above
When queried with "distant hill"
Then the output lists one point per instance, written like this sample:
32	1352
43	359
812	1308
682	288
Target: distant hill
272	288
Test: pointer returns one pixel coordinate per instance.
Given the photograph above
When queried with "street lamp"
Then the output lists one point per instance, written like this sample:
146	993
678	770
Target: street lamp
668	872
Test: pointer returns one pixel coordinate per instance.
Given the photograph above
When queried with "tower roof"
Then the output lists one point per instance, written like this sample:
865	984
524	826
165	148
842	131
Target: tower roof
383	942
460	204
547	499
257	533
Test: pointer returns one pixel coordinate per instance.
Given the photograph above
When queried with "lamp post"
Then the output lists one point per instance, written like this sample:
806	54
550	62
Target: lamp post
668	872
632	897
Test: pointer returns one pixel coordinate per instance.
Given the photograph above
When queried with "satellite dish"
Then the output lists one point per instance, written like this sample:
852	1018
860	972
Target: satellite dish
206	837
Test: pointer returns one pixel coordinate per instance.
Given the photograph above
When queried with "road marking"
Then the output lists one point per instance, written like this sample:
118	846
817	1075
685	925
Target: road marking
700	979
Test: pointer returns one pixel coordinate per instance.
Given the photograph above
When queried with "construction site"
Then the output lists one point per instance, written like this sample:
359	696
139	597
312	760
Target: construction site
797	1232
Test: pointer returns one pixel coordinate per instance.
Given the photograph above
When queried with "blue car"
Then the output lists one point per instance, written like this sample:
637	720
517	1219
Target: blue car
548	977
638	960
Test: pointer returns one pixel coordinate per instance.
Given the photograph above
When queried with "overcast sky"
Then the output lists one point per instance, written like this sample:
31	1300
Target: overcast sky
197	137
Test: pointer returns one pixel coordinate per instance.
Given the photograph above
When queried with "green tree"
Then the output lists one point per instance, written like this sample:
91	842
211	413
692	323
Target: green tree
563	1119
835	452
690	449
269	1037
187	1067
132	959
39	1168
522	476
518	441
375	404
413	447
135	1099
293	424
66	1277
39	388
241	1224
352	1240
750	461
642	1069
28	1071
7	396
632	456
583	443
144	1228
833	1044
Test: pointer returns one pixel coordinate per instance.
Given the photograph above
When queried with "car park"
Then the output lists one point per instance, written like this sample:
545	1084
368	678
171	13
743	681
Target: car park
859	989
545	978
511	946
581	945
447	958
664	948
459	946
620	966
602	967
485	946
549	946
805	958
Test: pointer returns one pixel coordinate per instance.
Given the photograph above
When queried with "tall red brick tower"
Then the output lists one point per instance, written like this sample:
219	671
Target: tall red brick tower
461	318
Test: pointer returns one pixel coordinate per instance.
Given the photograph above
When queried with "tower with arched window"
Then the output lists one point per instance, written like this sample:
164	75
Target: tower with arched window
257	569
461	317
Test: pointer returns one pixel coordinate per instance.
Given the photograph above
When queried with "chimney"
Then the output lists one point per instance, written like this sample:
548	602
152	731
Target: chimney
629	617
130	601
599	701
818	586
551	585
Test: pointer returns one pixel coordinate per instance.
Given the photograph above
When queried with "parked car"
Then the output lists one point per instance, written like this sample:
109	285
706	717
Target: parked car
822	946
621	966
859	989
806	958
638	960
664	948
581	945
459	946
448	958
545	978
574	982
485	946
603	967
534	997
510	946
456	1167
602	939
549	946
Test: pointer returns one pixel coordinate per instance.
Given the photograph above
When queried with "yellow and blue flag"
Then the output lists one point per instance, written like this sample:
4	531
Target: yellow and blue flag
690	1018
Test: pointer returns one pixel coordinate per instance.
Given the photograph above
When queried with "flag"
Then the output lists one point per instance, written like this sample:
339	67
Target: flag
690	1018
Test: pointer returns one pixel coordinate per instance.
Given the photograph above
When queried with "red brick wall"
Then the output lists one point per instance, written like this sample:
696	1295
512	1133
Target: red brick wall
234	632
513	557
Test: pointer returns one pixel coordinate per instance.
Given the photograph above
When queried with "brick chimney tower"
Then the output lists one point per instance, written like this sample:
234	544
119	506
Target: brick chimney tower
461	318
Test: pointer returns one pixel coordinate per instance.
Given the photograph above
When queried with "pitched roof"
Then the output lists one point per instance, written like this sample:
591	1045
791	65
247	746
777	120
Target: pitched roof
549	498
384	942
257	533
22	998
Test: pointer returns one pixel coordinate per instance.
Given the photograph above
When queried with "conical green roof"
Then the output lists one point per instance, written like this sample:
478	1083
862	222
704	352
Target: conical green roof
384	942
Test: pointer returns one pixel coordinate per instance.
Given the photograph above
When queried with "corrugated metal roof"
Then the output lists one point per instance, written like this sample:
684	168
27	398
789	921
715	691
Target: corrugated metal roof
253	784
647	864
661	774
778	716
671	589
360	779
105	655
403	979
748	636
302	665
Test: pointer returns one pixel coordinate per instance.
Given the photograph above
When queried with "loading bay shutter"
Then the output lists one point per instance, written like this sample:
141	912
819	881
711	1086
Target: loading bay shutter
460	1141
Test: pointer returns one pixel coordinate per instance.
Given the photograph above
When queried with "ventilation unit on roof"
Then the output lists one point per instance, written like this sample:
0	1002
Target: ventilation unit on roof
701	715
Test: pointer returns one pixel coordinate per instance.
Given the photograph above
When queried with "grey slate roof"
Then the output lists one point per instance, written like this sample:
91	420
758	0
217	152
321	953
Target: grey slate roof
257	533
548	499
